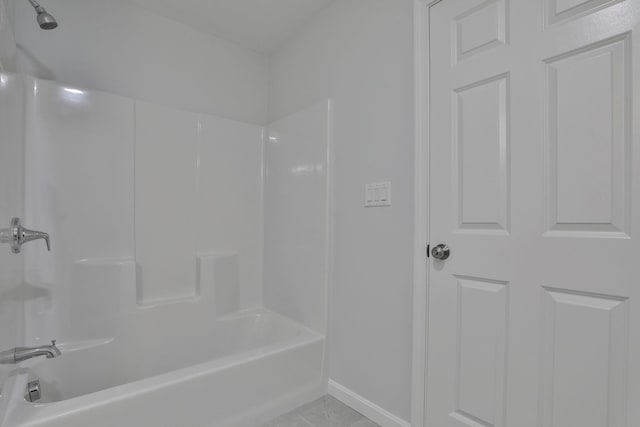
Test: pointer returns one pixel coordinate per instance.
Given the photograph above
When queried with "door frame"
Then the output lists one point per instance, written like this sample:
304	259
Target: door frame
421	10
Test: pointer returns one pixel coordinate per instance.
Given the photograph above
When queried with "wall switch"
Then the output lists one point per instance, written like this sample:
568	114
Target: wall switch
377	195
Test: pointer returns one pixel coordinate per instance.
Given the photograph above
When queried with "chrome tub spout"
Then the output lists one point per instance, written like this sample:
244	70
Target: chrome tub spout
20	354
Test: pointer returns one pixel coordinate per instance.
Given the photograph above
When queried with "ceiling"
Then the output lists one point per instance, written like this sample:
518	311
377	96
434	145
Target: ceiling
261	25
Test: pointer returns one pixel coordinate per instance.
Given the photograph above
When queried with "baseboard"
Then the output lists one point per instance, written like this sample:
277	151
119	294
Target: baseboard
367	408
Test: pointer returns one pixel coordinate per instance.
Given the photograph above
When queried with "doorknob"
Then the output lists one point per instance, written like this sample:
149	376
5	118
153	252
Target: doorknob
440	252
17	235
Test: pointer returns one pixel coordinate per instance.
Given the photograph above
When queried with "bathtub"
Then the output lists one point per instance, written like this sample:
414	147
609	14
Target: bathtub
247	368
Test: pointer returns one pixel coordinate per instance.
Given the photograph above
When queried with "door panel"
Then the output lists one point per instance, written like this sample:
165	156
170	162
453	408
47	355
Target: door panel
482	344
480	28
584	366
481	171
533	320
560	10
588	154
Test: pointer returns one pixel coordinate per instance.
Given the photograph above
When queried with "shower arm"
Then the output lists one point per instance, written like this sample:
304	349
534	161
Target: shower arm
36	6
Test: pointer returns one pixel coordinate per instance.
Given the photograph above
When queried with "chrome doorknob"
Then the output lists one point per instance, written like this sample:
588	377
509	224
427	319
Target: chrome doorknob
440	252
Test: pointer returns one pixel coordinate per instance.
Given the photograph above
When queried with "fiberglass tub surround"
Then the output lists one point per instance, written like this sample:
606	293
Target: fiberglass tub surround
94	366
153	288
247	365
11	174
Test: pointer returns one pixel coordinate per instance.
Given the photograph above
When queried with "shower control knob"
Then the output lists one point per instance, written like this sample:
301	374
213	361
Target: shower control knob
16	236
440	252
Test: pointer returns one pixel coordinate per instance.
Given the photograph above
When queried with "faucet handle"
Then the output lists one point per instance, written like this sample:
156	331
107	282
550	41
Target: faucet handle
17	235
30	235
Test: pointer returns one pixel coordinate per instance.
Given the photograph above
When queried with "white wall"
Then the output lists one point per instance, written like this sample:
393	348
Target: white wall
79	163
296	234
116	47
8	52
198	191
360	54
166	197
11	171
85	152
230	198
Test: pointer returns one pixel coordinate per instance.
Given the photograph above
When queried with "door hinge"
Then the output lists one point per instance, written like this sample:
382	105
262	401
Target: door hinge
428	252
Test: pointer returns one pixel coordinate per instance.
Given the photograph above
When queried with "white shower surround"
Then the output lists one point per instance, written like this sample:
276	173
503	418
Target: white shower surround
194	344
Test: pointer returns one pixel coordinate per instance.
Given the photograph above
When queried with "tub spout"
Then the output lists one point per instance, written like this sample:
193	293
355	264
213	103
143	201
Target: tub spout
20	354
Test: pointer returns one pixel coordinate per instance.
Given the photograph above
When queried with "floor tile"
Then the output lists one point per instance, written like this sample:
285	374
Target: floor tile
364	422
332	413
288	420
324	412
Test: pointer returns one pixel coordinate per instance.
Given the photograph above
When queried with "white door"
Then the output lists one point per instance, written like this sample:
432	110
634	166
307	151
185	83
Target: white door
534	319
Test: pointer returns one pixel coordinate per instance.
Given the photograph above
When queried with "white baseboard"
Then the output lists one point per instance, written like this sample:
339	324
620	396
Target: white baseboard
367	408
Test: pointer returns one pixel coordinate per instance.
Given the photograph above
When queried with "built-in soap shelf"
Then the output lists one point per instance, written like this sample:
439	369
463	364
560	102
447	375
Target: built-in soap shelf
106	290
216	284
218	281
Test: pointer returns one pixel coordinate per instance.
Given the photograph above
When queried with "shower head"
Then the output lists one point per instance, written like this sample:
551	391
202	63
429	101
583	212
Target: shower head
45	20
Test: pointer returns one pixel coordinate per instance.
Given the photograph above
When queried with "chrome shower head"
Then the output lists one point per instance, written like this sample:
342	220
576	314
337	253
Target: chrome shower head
46	21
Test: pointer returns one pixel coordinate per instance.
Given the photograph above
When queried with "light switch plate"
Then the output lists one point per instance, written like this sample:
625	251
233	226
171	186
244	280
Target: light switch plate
377	195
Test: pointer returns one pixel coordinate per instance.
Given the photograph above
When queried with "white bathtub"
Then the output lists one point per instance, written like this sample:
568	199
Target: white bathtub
246	368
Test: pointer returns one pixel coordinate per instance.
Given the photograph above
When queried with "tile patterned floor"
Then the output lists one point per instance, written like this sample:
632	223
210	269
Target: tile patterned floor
324	412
